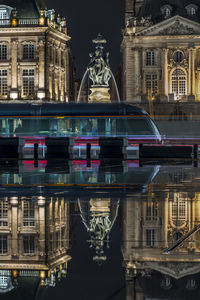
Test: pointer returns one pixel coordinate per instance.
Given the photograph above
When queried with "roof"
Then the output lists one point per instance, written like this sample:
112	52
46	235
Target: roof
153	8
25	8
72	109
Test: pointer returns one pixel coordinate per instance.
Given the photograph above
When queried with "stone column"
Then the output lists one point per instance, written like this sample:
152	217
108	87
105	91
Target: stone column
41	223
14	225
165	216
129	73
193	73
137	72
41	70
165	83
191	78
14	69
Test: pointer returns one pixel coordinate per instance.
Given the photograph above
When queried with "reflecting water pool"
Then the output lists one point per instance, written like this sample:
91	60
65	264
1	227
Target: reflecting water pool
80	230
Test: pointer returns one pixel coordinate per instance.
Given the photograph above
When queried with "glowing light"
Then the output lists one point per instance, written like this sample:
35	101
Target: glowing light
14	95
42	21
14	22
41	95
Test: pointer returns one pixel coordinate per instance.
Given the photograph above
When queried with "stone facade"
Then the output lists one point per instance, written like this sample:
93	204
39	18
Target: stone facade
161	52
154	221
35	59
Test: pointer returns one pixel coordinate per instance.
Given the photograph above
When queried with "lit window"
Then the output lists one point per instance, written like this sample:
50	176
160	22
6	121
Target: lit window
3	82
191	9
151	84
28	82
3	17
3	213
28	214
166	283
179	209
28	51
29	244
150	58
3	244
3	52
150	237
178	83
166	11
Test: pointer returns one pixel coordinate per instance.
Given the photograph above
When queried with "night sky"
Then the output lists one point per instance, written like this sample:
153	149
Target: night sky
87	18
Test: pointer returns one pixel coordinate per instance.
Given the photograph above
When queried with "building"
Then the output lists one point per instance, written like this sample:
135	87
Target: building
161	51
35	59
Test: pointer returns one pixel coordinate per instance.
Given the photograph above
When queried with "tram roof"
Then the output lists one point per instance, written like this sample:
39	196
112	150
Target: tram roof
69	109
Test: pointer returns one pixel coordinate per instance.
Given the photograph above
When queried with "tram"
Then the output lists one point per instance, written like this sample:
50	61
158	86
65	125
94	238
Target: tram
77	120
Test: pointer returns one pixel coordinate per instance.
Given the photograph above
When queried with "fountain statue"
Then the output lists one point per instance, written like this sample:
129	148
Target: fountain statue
99	72
98	78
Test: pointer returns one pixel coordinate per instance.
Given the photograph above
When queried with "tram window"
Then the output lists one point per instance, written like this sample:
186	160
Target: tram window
139	127
121	126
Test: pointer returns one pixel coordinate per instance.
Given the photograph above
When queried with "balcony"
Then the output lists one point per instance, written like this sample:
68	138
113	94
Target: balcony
20	22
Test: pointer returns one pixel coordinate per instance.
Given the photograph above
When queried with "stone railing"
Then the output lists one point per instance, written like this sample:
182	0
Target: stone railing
31	21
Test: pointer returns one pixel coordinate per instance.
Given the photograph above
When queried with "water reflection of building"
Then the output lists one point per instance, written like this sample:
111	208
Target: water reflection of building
34	240
152	223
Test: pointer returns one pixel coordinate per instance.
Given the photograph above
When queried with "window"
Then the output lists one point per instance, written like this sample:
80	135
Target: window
4	17
3	213
178	83
28	51
166	10
151	84
179	209
3	52
150	237
178	56
150	58
28	82
29	244
191	9
3	244
3	83
152	211
28	214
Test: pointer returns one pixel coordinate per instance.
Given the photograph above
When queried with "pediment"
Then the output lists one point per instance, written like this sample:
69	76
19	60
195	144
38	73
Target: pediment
173	269
173	26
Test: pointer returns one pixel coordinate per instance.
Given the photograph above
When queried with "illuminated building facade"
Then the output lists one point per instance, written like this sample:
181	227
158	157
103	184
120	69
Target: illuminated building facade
34	240
35	59
161	53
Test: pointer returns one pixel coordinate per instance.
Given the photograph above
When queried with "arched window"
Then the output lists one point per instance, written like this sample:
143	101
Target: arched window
5	12
166	10
178	84
191	9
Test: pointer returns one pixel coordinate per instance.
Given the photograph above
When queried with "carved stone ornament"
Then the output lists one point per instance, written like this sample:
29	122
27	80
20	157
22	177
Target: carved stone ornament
177	29
176	270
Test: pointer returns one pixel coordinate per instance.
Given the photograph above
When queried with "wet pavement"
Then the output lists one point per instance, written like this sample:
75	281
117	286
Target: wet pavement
79	230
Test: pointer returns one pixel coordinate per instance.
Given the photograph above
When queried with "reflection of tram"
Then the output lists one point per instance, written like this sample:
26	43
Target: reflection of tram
77	120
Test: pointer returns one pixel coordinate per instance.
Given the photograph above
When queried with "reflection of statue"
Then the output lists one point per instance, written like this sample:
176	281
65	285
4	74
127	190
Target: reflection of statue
99	69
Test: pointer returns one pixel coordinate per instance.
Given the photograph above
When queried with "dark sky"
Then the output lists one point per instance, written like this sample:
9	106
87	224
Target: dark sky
85	19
